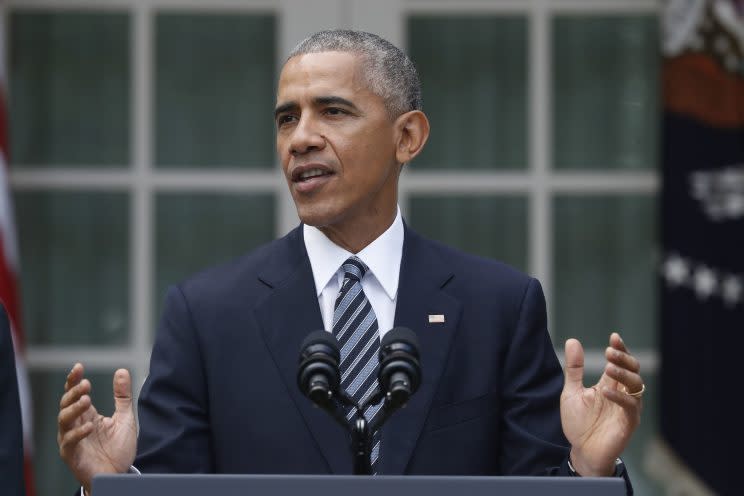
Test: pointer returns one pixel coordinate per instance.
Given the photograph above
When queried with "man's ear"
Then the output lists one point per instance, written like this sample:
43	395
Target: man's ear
412	132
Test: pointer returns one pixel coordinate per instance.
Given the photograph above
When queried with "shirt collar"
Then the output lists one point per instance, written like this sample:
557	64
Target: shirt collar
382	256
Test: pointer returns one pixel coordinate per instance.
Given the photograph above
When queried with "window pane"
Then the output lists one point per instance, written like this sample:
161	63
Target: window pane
215	90
490	226
605	92
196	231
604	266
474	80
69	88
74	267
51	475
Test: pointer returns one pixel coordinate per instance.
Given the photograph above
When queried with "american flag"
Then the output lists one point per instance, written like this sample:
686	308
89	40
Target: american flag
9	263
702	272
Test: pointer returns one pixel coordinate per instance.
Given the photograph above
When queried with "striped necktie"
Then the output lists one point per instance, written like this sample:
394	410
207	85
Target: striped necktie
355	327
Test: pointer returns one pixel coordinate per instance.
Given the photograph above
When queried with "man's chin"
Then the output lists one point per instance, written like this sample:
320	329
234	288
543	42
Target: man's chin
316	217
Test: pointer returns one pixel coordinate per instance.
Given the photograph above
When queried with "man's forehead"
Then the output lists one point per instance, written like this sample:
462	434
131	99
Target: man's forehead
337	58
322	68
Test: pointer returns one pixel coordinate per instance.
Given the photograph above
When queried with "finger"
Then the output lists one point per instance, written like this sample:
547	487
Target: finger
617	342
74	394
122	391
70	440
74	377
622	359
67	416
574	369
631	380
629	403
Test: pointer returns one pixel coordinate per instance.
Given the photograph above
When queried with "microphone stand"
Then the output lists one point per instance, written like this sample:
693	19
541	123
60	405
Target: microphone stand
360	430
318	379
361	445
361	438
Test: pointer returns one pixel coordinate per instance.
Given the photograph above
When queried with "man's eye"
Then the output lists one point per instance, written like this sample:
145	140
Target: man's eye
284	119
335	111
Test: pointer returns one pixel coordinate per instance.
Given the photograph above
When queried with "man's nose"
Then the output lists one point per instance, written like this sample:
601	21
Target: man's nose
305	137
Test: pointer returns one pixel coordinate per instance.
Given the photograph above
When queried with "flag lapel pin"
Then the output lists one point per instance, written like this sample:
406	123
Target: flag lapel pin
436	319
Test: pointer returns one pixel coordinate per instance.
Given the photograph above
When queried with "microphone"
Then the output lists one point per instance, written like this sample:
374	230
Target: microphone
318	376
400	371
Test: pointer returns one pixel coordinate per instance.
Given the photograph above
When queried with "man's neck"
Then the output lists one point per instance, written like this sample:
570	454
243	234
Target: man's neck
354	238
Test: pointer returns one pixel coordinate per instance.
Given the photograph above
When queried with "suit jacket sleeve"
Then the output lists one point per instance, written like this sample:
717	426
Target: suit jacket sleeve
531	427
173	405
11	430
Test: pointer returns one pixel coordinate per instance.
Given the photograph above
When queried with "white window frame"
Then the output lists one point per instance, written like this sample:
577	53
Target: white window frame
539	183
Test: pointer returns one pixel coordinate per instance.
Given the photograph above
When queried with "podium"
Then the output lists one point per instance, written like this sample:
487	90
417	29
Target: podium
326	485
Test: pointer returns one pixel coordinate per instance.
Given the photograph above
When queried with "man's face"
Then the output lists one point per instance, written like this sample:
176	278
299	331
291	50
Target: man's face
336	142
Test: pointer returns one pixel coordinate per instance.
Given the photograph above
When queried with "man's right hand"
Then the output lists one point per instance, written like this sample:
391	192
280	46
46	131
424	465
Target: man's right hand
90	443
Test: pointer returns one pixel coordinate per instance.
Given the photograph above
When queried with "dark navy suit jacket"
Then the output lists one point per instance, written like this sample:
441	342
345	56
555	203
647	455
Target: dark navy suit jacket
222	397
11	430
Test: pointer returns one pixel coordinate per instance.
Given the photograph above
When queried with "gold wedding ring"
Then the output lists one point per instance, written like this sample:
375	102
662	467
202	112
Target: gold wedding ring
637	394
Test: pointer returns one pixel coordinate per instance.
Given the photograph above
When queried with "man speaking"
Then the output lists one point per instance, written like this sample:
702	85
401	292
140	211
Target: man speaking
221	395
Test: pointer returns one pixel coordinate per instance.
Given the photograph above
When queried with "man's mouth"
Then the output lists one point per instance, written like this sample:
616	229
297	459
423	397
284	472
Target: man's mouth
310	177
308	172
312	173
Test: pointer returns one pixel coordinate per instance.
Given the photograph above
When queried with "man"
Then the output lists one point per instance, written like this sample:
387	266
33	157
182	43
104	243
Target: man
11	433
221	395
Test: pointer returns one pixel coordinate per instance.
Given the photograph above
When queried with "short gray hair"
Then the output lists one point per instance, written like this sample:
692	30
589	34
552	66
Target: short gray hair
389	72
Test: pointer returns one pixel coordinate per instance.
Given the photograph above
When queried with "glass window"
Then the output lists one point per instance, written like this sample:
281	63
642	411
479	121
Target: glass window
474	76
214	86
74	267
604	262
605	92
490	226
69	88
196	231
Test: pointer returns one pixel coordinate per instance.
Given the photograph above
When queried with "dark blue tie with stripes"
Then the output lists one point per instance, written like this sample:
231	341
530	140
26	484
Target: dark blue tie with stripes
355	327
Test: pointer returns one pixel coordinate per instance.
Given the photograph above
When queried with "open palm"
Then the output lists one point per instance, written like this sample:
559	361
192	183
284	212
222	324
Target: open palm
110	446
598	421
90	443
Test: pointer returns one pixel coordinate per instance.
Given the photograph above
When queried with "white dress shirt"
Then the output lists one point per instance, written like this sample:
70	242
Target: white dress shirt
380	283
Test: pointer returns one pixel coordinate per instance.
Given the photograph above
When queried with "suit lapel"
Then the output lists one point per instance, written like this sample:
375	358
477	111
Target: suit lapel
286	316
420	294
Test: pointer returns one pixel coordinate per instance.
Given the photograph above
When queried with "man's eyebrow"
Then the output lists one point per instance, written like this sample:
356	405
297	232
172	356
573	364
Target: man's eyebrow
284	107
319	101
331	100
